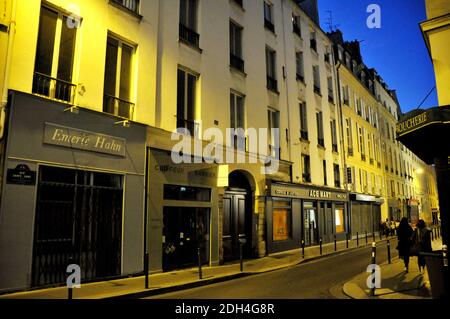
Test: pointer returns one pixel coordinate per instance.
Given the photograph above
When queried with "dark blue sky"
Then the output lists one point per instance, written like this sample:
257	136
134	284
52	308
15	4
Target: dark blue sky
396	50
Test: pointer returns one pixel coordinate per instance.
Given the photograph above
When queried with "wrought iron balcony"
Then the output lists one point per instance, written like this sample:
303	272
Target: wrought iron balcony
189	127
363	157
321	142
350	151
335	148
306	177
272	84
237	62
304	135
189	35
269	25
132	5
317	89
118	107
300	77
53	88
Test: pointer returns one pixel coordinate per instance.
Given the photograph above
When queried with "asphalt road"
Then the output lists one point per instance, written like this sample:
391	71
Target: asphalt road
319	279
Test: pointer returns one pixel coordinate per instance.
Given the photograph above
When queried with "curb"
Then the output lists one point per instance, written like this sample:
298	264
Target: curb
196	284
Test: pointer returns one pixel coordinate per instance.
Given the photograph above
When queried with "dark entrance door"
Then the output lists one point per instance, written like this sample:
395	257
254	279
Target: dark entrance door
78	216
233	223
310	225
185	230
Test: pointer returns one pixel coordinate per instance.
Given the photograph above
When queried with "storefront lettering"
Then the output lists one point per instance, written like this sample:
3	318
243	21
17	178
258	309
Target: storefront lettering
168	168
412	123
319	194
83	140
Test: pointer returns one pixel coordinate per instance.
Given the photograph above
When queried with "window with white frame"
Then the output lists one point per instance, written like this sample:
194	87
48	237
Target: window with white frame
237	119
273	118
186	102
236	59
55	52
268	16
118	78
188	22
299	66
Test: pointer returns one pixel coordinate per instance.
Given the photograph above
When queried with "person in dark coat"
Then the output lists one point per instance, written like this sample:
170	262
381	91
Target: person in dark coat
404	232
422	236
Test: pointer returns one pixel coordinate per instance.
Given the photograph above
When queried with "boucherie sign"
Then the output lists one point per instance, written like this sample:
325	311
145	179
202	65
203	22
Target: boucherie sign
83	140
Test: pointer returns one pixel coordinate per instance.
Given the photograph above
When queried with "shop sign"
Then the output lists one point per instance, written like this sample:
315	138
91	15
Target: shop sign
21	175
412	123
83	140
305	193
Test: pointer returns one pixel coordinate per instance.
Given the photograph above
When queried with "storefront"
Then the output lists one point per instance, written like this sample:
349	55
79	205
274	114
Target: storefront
295	213
365	213
394	206
182	212
72	190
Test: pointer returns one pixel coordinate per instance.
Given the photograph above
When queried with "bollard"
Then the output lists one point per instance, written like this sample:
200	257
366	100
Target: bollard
380	234
240	257
444	255
367	241
70	290
200	275
435	233
389	251
303	248
439	232
146	269
335	243
374	254
346	240
432	235
320	243
357	239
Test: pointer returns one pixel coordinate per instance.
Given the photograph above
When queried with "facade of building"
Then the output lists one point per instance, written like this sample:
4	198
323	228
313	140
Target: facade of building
115	102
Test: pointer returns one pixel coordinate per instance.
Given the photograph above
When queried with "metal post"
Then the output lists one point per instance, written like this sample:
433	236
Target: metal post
303	248
200	275
432	234
240	256
335	243
373	235
146	269
346	239
374	254
70	289
389	251
444	255
439	232
367	241
380	233
320	243
357	239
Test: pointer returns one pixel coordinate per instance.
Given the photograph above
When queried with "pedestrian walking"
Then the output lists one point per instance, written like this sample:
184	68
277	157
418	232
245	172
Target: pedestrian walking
404	233
422	238
388	227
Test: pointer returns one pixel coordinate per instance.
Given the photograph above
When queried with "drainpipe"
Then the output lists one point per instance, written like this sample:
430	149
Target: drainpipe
4	101
341	118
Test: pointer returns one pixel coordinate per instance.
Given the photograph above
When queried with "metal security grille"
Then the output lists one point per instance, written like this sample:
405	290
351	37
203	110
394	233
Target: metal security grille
78	216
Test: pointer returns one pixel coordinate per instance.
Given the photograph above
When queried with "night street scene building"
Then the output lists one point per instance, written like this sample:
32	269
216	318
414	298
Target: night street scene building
94	92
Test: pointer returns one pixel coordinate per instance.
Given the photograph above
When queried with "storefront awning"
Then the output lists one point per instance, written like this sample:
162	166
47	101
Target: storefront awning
422	130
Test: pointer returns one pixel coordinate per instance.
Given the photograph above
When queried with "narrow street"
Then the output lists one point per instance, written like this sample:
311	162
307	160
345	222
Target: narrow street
320	279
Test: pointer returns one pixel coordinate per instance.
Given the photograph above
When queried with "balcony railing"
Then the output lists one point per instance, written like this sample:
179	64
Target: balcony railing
317	89
371	161
237	62
304	135
272	84
346	102
118	107
321	142
269	25
189	35
337	183
306	177
363	157
191	126
53	88
350	151
132	5
335	148
330	96
300	77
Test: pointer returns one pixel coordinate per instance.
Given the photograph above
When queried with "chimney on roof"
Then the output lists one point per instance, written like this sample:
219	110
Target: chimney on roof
311	8
355	50
336	36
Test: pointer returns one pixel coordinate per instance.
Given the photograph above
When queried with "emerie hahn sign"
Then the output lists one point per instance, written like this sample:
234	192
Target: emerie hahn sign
83	140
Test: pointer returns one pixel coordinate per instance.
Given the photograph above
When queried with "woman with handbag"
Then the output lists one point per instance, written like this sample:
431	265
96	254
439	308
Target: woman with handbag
422	242
404	232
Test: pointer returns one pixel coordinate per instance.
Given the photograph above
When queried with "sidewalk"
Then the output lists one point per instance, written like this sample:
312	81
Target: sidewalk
189	278
395	282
